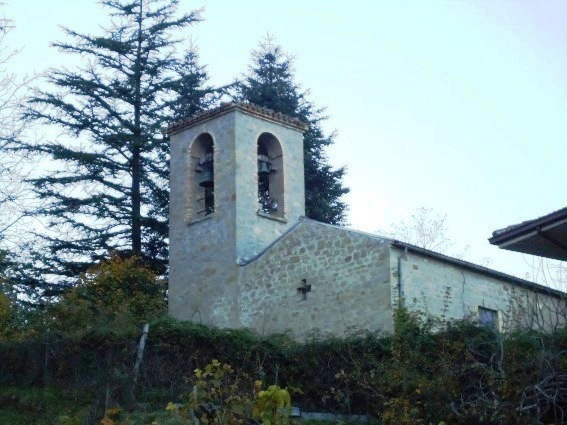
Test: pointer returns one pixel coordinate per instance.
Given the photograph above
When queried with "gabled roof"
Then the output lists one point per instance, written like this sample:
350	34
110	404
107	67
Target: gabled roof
545	236
248	108
417	250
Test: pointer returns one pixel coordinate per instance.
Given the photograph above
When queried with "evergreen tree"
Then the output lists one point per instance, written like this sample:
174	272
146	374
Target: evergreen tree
109	189
270	83
193	93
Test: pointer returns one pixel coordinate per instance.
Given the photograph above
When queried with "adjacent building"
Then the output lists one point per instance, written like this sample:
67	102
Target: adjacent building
545	236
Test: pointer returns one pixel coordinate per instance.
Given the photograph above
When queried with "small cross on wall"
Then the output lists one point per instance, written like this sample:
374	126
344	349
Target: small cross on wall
304	289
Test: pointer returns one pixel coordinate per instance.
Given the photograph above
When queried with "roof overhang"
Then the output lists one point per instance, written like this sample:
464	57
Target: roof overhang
545	236
247	108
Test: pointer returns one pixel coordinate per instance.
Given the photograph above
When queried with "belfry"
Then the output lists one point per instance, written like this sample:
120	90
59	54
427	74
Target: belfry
236	185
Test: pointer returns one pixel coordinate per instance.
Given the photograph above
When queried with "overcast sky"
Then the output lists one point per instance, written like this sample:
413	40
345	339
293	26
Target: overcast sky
459	106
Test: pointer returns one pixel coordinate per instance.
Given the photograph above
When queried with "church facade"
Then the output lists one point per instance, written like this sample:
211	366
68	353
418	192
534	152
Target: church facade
243	255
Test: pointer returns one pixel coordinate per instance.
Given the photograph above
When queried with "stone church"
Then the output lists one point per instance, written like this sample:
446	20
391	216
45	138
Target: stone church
242	254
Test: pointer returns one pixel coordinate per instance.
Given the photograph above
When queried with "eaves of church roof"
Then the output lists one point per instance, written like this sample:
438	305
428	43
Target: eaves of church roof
417	250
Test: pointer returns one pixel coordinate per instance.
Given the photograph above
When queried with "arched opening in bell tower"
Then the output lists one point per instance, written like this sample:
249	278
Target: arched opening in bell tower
270	176
202	191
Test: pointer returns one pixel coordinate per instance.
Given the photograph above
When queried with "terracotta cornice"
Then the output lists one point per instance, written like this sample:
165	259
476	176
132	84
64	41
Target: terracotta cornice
247	108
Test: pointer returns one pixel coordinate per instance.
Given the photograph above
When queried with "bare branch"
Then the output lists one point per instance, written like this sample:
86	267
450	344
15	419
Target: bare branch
14	193
426	229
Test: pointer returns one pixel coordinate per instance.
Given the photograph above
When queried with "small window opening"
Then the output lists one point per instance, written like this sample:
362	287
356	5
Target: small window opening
488	317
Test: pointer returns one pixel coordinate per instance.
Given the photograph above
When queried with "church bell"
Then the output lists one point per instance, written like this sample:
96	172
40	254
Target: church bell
264	165
205	168
263	168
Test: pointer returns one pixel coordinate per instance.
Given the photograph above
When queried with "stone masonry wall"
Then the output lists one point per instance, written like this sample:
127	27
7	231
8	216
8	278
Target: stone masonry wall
255	232
348	273
204	249
443	289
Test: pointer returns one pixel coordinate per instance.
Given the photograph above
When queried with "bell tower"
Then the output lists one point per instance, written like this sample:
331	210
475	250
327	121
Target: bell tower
236	184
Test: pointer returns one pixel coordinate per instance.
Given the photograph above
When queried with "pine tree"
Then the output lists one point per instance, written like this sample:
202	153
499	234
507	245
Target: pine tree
270	83
109	190
193	93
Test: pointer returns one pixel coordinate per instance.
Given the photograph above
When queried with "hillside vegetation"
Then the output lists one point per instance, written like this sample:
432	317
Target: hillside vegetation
74	363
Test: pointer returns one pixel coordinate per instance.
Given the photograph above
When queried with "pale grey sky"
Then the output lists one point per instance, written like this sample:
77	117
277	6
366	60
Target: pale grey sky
459	106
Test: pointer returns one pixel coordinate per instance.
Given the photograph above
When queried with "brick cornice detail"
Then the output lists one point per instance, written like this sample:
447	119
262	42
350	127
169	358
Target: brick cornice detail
247	108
